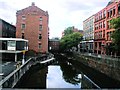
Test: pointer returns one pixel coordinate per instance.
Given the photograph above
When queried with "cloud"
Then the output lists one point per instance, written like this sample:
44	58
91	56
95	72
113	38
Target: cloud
62	13
55	80
75	5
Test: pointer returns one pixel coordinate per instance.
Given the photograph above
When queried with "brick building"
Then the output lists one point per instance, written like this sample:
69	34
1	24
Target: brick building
54	44
103	31
7	30
10	46
32	24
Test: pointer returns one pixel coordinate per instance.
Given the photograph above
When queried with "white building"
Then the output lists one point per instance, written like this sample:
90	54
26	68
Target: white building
12	46
88	34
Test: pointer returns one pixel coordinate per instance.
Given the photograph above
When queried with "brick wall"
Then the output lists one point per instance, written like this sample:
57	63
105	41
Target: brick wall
31	32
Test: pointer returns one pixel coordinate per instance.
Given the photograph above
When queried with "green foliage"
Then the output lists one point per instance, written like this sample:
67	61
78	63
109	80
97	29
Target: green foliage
116	39
71	40
68	31
115	23
30	53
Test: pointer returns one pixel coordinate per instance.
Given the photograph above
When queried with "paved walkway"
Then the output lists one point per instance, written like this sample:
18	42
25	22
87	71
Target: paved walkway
7	68
100	56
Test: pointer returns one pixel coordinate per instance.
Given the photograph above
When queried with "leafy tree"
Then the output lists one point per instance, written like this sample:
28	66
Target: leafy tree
115	23
70	40
68	31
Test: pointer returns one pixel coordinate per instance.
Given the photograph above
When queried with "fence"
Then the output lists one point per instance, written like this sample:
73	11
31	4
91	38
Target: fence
11	80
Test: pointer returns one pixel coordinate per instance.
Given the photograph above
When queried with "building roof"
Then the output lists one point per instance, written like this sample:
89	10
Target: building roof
110	2
13	39
55	39
3	21
34	9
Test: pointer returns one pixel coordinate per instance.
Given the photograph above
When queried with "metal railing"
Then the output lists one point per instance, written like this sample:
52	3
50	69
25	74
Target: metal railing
11	80
88	80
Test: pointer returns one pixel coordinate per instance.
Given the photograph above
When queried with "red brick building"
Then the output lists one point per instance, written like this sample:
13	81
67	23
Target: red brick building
32	24
102	30
54	44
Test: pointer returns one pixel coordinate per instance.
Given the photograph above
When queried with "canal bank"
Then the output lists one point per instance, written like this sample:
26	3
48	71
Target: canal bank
105	65
65	72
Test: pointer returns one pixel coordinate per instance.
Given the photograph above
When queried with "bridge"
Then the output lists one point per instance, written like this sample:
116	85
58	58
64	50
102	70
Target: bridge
11	80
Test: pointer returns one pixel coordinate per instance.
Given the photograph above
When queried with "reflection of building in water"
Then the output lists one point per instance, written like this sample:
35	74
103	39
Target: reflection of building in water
34	79
43	78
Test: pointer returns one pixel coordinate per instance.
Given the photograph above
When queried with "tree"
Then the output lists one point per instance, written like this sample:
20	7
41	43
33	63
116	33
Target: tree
115	23
70	40
68	31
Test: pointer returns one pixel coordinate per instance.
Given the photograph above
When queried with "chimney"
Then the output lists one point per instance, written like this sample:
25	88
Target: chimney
33	3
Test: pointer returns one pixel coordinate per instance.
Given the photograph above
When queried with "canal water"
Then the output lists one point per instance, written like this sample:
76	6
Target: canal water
65	73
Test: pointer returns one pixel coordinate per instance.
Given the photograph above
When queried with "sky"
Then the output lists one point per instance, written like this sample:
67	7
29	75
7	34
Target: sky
54	75
62	13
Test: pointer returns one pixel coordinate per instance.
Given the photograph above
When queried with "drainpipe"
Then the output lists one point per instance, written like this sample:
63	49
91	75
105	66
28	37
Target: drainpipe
15	57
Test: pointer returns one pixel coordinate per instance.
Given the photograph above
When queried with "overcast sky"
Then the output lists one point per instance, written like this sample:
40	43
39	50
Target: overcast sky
62	13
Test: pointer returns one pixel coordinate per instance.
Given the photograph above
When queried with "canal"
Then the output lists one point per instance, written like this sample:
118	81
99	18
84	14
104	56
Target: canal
65	73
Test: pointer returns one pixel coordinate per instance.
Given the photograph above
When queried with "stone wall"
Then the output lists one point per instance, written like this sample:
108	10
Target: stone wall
101	65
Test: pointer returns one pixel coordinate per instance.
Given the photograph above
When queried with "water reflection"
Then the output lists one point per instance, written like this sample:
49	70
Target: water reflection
73	75
35	78
61	74
55	79
69	73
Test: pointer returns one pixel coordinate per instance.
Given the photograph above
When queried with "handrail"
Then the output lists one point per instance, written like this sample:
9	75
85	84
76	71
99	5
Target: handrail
92	82
12	79
10	75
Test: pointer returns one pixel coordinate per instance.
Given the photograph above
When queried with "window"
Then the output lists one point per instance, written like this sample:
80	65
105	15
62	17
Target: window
23	26
22	35
111	13
101	15
101	25
114	12
23	17
40	36
104	24
108	14
103	33
119	9
104	14
40	27
39	46
41	19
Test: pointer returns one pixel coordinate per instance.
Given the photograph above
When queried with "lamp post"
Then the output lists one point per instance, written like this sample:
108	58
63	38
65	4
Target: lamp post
23	60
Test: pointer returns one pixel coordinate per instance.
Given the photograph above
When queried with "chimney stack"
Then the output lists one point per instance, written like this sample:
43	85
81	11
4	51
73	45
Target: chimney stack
33	3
